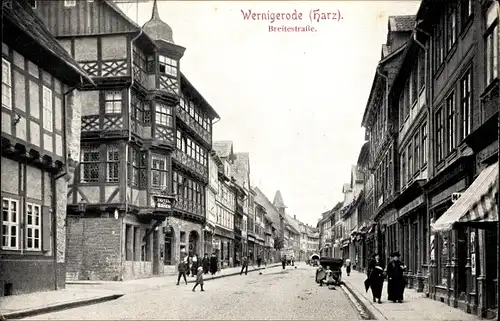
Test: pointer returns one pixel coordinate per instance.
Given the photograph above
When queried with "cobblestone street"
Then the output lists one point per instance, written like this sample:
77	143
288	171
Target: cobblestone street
276	294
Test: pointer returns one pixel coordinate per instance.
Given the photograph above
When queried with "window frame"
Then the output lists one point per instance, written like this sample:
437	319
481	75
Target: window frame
451	141
451	26
11	224
466	104
5	85
423	143
170	65
439	134
112	163
110	99
162	172
164	115
416	152
89	149
48	111
466	15
491	41
33	228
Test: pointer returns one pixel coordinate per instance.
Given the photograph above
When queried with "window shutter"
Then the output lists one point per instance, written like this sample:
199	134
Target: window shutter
46	228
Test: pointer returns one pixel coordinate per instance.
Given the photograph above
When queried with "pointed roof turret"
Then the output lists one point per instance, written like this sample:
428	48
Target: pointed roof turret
156	28
278	200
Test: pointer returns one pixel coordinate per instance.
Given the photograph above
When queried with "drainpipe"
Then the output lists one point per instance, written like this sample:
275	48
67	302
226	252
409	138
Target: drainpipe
129	139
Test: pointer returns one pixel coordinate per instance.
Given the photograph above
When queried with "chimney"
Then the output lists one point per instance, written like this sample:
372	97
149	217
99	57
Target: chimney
294	217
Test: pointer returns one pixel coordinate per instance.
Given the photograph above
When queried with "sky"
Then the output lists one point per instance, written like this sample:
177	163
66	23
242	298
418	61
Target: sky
293	100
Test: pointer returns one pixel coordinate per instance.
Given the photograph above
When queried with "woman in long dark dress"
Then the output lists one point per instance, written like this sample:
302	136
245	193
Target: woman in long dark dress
213	264
205	263
194	266
376	277
396	282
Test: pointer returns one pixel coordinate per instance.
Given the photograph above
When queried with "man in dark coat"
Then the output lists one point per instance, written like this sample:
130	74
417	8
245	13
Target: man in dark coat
395	282
182	267
244	266
283	261
259	261
213	264
205	263
376	277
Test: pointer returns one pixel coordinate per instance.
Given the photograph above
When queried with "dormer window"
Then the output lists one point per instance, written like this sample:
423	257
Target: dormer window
168	66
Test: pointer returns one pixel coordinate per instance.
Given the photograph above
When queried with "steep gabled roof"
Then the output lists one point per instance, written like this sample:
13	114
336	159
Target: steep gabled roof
223	148
272	211
21	16
401	23
278	200
241	168
186	84
293	223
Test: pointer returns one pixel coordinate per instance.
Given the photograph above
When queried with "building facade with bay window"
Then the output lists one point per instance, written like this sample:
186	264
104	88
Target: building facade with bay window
40	144
139	190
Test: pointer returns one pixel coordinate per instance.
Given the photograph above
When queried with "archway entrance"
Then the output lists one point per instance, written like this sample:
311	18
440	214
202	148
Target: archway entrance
193	240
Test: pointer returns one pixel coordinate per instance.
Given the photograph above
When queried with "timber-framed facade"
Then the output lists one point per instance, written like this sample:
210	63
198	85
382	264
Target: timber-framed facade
146	136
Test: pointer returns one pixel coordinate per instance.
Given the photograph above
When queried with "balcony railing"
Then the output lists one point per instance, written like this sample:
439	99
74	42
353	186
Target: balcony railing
190	163
194	125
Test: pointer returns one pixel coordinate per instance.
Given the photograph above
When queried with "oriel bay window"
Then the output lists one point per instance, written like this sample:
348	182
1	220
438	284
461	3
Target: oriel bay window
163	115
89	163
450	123
159	171
492	44
113	102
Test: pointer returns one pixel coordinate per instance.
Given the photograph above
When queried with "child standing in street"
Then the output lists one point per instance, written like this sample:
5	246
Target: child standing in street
199	279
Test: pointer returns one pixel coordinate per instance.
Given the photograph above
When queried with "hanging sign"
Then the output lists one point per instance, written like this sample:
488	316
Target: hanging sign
163	202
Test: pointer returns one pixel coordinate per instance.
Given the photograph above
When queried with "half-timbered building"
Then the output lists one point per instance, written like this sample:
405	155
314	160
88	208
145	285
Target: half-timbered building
40	142
138	199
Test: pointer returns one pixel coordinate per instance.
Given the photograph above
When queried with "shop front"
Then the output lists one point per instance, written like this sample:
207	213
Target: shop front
410	235
251	248
224	248
346	242
463	235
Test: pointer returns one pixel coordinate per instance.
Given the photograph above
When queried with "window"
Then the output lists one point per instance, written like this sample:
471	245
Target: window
421	70
137	109
466	104
403	168
10	224
439	134
32	4
69	3
179	140
407	98
416	151
450	123
492	43
89	167
439	45
33	227
168	66
113	164
113	102
47	108
134	167
6	84
414	83
159	172
163	115
402	109
465	12
410	161
451	28
423	134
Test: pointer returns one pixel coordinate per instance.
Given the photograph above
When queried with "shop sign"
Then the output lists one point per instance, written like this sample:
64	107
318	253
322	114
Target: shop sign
163	202
411	205
446	194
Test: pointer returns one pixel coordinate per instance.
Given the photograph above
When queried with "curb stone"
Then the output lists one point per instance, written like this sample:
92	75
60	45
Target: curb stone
366	308
59	306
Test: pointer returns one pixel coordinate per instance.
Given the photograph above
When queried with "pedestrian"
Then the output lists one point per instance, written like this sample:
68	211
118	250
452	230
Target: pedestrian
244	266
395	282
205	263
182	271
259	261
189	261
375	275
199	279
194	265
213	264
292	261
348	266
283	261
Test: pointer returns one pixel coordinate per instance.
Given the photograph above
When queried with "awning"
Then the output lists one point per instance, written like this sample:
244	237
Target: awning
476	205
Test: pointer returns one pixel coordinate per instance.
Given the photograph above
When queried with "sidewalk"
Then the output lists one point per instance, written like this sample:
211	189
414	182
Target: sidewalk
79	293
416	306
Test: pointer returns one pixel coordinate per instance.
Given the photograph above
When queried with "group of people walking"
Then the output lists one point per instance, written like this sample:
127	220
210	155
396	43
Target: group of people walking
395	278
192	265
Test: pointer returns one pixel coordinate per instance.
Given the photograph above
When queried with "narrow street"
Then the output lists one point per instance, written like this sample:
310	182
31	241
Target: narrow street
276	294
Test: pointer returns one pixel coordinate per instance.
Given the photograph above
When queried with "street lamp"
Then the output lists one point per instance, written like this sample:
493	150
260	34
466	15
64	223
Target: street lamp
82	207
